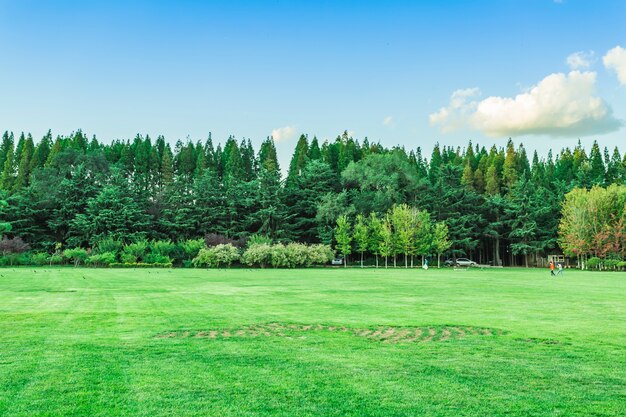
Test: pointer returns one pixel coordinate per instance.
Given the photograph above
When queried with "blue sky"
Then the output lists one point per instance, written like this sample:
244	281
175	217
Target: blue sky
385	70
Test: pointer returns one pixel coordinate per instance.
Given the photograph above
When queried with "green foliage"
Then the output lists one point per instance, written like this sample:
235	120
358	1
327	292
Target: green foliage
192	247
217	256
40	259
594	262
257	239
135	251
343	236
76	255
80	191
102	259
293	255
108	245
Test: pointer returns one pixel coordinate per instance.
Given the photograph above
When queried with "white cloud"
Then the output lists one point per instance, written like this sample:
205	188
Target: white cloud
457	114
388	121
559	105
580	60
615	60
284	134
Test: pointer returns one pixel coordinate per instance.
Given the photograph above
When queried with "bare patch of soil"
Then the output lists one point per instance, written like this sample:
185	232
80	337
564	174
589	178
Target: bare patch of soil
385	334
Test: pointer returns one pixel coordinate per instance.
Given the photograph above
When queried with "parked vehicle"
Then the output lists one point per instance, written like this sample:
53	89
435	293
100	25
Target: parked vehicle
449	262
465	262
337	261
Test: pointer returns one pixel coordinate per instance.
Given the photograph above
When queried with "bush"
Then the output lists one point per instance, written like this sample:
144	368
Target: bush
55	259
594	262
135	250
258	254
155	258
320	254
162	251
610	263
77	255
191	248
128	258
102	259
216	256
40	259
259	240
621	264
108	245
290	256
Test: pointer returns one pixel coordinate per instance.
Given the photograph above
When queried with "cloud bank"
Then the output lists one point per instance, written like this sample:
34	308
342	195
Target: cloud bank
559	105
284	134
615	60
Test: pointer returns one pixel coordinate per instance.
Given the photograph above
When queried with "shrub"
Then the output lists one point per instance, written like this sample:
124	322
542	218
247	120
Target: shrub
162	247
40	259
191	248
137	250
259	240
279	256
290	256
55	259
128	258
216	256
621	264
77	255
11	247
594	262
610	263
102	259
108	245
155	258
320	254
258	254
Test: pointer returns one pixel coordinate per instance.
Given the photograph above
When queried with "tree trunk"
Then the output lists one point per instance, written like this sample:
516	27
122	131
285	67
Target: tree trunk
438	260
395	258
406	261
497	249
376	260
361	259
385	262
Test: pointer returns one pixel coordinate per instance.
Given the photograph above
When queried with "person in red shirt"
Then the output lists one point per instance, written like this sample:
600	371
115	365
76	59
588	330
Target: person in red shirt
552	268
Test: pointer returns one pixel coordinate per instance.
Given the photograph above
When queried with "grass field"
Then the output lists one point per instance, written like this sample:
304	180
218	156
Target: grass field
512	342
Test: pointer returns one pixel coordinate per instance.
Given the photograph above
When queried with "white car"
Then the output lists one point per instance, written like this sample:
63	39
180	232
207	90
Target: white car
465	262
337	261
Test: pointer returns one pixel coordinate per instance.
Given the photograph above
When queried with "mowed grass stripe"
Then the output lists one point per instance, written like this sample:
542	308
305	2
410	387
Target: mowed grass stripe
94	351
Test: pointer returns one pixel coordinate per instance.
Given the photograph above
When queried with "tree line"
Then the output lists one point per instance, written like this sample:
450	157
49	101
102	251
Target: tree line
499	205
593	226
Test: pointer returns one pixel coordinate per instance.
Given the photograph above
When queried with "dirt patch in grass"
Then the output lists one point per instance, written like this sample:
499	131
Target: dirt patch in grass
539	341
383	334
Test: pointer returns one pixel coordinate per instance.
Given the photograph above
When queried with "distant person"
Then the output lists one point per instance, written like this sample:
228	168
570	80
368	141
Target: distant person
425	266
552	268
560	269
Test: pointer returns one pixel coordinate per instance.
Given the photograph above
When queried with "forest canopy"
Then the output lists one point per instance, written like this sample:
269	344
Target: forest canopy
500	205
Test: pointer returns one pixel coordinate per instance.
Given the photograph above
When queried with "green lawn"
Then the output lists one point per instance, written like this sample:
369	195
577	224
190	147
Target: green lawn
89	342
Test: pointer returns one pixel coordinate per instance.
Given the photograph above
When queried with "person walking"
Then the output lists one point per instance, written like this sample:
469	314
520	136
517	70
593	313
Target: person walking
552	268
560	272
